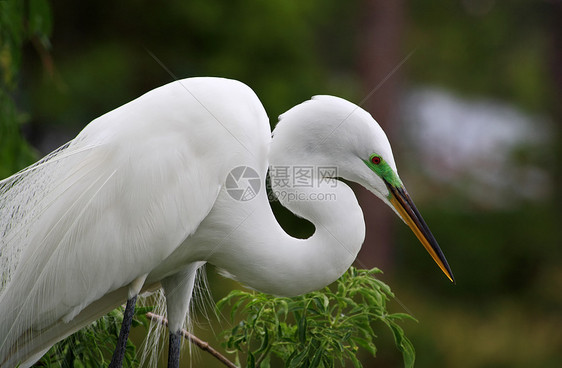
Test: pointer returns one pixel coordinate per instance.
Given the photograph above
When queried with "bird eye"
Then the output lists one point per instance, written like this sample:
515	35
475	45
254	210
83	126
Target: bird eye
376	159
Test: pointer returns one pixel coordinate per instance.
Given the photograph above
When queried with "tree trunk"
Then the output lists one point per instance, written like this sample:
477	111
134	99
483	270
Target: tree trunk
380	52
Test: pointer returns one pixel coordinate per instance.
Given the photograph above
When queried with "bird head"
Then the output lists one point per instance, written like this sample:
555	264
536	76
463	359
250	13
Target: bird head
329	130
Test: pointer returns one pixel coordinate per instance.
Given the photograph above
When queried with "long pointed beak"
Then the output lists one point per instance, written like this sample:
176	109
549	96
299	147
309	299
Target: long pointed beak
404	205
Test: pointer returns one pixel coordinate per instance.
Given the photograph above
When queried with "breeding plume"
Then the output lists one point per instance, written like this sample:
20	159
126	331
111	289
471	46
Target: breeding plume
149	192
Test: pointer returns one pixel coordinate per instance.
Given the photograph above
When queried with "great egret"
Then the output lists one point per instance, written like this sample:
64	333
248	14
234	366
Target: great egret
150	191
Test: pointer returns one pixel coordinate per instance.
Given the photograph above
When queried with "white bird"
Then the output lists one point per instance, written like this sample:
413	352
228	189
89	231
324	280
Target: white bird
152	190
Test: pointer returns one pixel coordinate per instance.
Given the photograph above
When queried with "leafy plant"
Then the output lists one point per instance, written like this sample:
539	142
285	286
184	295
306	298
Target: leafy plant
320	329
93	346
20	22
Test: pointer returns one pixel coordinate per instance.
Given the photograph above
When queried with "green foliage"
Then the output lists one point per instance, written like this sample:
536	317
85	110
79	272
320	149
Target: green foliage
20	21
483	48
325	328
93	346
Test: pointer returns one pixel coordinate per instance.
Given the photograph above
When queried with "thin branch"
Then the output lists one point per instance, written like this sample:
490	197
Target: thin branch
48	62
45	55
203	345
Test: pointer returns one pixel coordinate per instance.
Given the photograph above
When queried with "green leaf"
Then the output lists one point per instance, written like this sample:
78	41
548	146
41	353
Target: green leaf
283	307
403	344
265	342
403	316
302	329
366	344
299	359
235	307
251	362
317	357
327	360
355	361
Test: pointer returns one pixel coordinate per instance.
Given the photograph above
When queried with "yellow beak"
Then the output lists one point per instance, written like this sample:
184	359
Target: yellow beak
404	205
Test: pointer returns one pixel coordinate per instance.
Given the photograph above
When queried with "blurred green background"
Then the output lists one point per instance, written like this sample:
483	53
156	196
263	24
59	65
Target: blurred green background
469	93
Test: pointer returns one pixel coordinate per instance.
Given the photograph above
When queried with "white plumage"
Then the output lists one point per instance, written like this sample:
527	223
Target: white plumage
137	200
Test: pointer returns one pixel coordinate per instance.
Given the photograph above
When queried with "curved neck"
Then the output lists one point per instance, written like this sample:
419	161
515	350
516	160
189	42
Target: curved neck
263	256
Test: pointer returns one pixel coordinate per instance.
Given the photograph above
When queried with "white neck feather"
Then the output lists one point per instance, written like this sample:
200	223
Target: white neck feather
260	254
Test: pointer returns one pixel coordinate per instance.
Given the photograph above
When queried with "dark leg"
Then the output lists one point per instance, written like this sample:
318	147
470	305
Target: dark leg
174	350
119	353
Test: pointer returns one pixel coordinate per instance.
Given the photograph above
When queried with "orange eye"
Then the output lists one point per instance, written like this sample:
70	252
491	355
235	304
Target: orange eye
376	160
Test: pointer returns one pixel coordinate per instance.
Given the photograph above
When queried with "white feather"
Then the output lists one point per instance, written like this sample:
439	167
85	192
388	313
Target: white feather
138	200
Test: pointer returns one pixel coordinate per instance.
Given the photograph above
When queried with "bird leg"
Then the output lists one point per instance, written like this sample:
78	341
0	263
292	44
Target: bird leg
119	353
174	349
178	289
